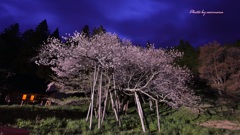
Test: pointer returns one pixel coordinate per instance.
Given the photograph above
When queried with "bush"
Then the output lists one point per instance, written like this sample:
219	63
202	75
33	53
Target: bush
49	125
73	127
28	124
74	101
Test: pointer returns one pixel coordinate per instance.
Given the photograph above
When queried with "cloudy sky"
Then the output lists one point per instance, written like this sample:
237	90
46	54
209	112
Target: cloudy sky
162	22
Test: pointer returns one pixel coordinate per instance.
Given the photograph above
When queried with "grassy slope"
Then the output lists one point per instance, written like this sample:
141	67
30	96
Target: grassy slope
71	120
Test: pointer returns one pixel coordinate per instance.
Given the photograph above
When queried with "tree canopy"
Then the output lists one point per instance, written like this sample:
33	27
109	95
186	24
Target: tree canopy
220	65
117	65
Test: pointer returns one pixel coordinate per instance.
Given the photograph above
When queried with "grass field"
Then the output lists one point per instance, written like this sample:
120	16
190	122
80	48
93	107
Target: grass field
59	120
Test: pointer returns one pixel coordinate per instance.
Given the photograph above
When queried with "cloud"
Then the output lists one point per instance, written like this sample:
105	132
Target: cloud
129	10
161	22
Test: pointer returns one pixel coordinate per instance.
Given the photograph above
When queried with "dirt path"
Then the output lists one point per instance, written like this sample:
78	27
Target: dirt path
13	131
223	124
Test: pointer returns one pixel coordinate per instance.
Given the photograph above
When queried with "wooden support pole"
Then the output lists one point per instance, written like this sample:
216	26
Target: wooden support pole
158	117
140	113
100	101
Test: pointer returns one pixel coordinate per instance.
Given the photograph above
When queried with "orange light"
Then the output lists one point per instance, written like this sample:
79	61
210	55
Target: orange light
32	97
24	97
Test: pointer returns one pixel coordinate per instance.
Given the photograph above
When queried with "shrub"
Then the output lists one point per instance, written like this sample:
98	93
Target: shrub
49	125
73	126
24	123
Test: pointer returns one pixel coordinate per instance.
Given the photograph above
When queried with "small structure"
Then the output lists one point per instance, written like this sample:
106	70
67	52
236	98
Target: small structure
33	98
24	89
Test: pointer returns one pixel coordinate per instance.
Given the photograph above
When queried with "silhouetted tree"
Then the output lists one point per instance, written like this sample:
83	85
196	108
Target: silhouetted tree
4	85
148	45
99	30
237	43
42	32
10	44
190	56
86	31
55	34
27	36
11	34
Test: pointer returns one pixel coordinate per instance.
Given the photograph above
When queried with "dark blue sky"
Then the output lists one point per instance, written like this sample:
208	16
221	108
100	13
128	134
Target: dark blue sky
162	22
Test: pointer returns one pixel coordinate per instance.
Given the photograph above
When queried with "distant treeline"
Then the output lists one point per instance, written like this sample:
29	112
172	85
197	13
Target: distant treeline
213	65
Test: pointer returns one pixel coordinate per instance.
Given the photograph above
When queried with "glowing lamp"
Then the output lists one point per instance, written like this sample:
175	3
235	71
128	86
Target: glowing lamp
32	98
24	97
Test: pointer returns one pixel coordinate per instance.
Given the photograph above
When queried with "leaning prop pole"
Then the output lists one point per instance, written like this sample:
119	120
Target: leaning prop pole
140	112
100	101
105	104
158	117
106	99
115	104
89	109
96	70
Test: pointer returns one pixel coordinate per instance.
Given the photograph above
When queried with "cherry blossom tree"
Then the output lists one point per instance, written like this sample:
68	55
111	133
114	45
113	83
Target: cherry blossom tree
107	66
220	66
212	69
152	73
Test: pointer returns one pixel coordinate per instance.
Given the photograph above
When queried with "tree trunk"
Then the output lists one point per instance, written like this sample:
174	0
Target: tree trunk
140	113
144	117
150	104
125	107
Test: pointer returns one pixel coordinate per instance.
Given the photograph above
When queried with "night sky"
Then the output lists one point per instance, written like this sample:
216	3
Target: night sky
162	22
